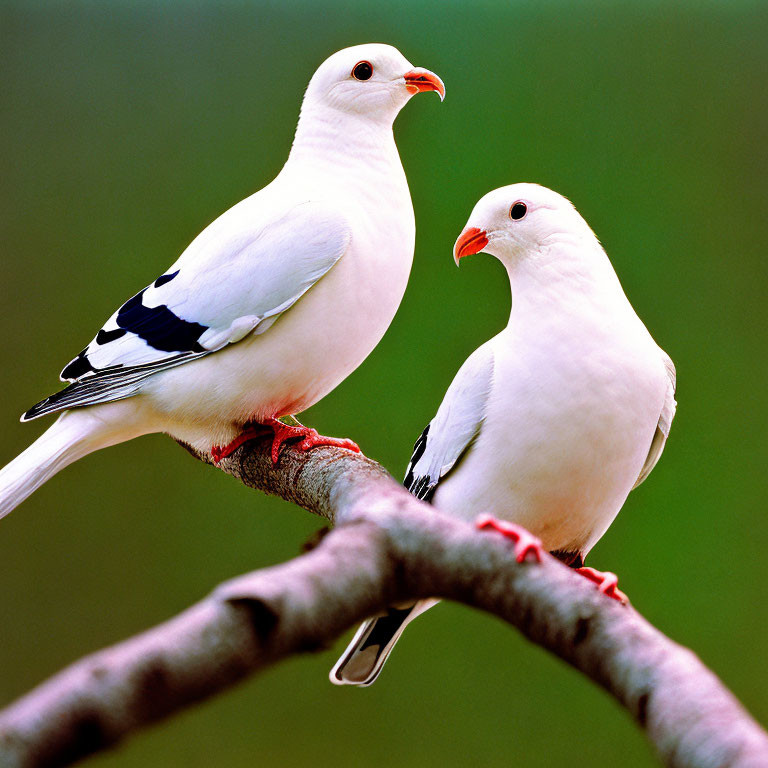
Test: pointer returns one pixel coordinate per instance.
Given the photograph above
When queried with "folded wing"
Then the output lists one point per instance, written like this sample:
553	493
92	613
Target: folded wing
237	277
455	426
665	421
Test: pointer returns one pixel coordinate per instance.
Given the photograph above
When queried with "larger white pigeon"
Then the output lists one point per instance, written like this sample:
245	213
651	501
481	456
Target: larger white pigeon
271	306
551	423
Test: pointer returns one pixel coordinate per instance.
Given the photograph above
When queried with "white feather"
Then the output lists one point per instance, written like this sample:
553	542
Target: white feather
73	435
548	424
281	297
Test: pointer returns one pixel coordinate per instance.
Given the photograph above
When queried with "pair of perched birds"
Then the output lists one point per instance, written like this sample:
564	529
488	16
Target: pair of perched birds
549	425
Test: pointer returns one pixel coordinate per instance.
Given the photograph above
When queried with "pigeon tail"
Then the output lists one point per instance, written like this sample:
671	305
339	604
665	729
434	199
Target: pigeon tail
365	656
71	437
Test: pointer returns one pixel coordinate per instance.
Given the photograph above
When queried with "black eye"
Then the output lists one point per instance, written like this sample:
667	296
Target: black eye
363	70
518	210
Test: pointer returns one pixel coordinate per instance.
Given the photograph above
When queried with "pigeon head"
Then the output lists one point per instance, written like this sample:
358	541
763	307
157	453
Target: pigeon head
512	221
372	80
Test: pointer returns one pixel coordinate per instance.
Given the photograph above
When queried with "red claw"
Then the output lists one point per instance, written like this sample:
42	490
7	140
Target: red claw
283	432
525	542
219	452
606	583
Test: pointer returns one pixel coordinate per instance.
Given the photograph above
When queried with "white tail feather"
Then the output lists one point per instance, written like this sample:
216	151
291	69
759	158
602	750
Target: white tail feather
362	661
73	435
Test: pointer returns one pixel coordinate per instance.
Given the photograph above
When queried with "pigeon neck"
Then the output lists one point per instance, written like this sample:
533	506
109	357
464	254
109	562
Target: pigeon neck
328	138
567	276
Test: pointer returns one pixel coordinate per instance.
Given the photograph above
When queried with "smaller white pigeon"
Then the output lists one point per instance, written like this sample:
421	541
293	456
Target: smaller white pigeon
551	423
271	306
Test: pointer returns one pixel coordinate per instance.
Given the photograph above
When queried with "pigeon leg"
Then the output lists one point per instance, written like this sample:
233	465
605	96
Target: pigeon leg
606	583
219	452
525	542
283	432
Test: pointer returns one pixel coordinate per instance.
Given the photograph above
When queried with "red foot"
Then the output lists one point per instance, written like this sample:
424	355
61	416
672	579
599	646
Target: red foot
606	583
525	542
283	432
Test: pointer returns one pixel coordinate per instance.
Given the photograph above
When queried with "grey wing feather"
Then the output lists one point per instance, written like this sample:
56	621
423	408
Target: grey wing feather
106	386
455	426
665	421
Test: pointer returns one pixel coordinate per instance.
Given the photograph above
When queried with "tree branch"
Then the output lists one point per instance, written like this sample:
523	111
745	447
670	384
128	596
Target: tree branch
387	547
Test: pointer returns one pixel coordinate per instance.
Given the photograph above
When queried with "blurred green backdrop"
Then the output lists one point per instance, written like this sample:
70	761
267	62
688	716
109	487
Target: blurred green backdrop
126	127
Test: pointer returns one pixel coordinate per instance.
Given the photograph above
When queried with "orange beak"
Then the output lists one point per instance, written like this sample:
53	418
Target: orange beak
419	80
470	241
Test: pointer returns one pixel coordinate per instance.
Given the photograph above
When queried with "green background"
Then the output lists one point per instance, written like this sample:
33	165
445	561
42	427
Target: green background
127	127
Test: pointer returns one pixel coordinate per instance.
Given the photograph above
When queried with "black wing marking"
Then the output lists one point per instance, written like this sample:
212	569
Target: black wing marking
422	486
158	326
104	337
79	367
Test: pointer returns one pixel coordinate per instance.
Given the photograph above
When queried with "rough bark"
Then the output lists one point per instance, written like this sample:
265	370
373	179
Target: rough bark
386	547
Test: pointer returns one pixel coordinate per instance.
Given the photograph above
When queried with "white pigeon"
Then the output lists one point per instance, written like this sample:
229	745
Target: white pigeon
271	306
551	423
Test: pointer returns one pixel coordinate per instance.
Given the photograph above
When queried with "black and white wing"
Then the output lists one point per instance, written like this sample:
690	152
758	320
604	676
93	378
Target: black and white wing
665	421
235	278
455	426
